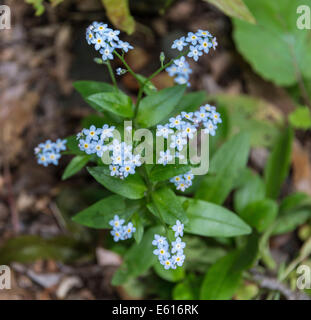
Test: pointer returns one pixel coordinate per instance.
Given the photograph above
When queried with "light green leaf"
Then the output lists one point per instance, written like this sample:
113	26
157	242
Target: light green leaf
88	88
260	214
119	14
172	275
275	47
300	118
225	167
188	288
158	106
234	8
168	206
75	165
132	187
260	119
115	102
149	87
138	224
100	213
162	173
253	190
138	259
211	220
278	164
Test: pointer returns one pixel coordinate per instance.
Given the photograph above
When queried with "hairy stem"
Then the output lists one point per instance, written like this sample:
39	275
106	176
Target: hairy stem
113	78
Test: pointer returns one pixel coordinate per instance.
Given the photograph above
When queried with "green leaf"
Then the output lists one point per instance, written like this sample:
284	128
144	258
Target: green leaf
295	210
75	165
260	119
190	102
138	224
72	146
100	213
253	190
132	187
188	288
172	275
168	206
260	214
119	14
275	47
300	118
223	278
115	102
225	167
138	259
211	220
162	173
158	106
278	164
88	88
234	8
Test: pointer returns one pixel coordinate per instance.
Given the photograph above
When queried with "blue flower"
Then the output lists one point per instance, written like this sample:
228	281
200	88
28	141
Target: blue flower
114	170
203	33
92	133
127	169
117	234
165	157
107	131
187	116
178	228
53	157
99	148
120	71
101	28
210	128
43	159
125	46
128	230
180	63
179	259
167	263
86	145
178	245
192	38
163	131
116	222
60	145
46	146
112	35
160	241
188	130
176	122
195	52
179	44
161	252
178	142
99	42
215	116
172	71
214	43
106	53
205	45
201	115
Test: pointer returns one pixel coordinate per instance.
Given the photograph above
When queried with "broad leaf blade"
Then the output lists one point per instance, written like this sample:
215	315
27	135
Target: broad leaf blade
75	165
158	106
210	220
132	187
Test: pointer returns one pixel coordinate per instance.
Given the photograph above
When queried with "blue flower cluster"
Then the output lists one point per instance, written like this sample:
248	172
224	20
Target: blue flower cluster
123	161
199	43
48	152
183	181
120	231
105	39
170	259
184	126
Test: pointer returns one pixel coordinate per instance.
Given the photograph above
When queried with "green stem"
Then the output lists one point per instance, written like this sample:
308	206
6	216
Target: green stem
130	70
141	89
113	78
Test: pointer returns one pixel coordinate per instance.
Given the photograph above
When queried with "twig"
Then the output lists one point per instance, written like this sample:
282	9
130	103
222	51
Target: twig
273	284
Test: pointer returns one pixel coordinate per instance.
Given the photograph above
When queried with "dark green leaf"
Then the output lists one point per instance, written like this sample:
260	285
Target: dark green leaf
75	165
115	102
158	106
132	187
278	164
149	87
138	224
211	220
100	213
225	167
88	88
